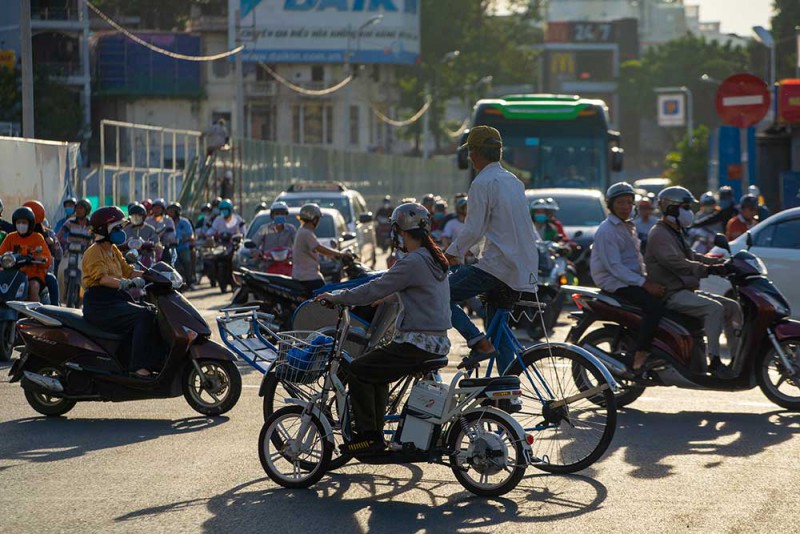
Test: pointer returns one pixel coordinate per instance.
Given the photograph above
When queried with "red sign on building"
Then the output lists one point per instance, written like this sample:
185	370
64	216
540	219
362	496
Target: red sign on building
789	102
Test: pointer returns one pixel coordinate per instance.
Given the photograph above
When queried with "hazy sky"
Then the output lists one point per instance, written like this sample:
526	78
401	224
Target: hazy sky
737	16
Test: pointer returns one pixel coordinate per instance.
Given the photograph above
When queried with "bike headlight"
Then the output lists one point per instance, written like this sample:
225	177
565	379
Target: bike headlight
758	265
8	261
176	279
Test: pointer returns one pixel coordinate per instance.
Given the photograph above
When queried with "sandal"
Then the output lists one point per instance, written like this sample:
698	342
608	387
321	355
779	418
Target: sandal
649	363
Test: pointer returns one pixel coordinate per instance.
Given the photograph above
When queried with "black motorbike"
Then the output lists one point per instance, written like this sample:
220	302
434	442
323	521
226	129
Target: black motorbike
225	247
280	295
66	359
13	286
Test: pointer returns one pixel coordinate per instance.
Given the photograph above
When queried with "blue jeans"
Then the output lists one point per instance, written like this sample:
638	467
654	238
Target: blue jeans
467	282
52	287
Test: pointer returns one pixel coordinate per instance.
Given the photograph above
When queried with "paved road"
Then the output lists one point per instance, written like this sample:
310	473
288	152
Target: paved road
681	461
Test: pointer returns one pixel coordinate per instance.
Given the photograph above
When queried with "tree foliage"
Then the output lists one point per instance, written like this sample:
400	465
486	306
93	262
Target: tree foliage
57	110
784	22
497	46
688	164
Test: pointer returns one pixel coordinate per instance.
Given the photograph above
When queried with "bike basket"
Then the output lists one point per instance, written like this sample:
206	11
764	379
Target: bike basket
302	355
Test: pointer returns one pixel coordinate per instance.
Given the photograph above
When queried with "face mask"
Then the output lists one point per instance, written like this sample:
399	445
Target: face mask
136	220
280	219
215	211
22	228
117	236
438	216
225	213
540	218
685	218
69	211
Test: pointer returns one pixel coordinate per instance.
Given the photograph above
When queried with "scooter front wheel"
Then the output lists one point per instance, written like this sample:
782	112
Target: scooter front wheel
293	449
774	379
217	391
7	335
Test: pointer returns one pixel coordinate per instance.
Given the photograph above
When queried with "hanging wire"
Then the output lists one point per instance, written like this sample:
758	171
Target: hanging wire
302	90
411	120
157	49
461	128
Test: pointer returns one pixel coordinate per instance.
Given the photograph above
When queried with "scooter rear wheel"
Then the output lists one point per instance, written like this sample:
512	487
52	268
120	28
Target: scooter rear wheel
609	339
44	404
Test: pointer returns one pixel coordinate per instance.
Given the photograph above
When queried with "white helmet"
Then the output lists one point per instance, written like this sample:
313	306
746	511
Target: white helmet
754	191
411	216
279	205
708	199
310	212
552	205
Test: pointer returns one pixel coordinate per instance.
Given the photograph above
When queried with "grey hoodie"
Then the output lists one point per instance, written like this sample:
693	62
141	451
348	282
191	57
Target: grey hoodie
423	290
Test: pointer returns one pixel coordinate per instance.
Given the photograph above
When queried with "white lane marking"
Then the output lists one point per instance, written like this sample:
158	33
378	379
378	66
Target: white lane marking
751	100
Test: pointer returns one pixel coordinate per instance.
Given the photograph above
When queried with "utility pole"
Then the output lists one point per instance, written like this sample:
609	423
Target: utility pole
239	115
27	68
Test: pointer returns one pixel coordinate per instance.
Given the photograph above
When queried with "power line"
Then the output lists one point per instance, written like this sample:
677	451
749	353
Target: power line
302	90
157	49
411	120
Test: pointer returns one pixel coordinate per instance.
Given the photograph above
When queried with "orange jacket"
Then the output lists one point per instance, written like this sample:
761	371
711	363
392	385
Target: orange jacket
737	226
31	245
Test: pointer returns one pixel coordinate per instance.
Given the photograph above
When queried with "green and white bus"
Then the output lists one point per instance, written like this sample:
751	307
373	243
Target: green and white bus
552	140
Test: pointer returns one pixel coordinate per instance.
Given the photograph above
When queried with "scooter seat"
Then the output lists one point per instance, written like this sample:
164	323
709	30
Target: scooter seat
493	381
280	280
687	321
431	365
72	318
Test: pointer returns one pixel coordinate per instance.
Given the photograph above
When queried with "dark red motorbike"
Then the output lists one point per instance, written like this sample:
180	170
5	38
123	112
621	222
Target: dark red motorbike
767	353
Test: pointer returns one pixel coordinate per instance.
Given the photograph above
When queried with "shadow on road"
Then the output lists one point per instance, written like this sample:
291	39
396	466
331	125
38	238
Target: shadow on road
651	440
338	501
40	439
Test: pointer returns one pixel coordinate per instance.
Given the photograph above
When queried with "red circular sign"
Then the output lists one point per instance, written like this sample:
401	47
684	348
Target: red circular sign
743	100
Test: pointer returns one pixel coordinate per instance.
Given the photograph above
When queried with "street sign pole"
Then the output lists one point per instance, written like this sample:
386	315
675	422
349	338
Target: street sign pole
743	143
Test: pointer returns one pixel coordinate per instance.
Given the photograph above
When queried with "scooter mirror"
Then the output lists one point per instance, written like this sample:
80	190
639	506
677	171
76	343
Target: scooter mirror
132	257
249	244
722	242
749	240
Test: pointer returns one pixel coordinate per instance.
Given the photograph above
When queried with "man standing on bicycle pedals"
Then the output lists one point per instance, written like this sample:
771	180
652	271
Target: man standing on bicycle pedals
618	268
498	210
419	280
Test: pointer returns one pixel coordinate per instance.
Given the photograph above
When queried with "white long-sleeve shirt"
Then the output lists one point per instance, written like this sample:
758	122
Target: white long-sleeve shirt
616	258
498	210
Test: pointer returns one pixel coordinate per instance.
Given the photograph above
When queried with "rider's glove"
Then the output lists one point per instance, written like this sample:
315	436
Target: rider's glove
719	270
138	282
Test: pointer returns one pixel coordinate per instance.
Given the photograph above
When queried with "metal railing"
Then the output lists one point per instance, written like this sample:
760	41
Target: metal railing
139	161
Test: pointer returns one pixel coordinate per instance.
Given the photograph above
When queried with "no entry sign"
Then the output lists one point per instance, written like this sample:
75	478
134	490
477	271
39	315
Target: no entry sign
743	100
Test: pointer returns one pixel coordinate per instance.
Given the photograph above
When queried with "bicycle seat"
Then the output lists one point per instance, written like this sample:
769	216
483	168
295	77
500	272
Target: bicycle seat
72	318
497	382
429	366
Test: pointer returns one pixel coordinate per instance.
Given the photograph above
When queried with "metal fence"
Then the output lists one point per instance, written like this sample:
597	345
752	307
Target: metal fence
262	170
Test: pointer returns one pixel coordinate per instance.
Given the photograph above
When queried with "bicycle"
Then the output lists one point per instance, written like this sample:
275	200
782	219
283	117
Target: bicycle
486	448
573	426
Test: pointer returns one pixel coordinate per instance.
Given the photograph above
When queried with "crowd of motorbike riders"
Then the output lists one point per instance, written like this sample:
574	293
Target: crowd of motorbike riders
649	251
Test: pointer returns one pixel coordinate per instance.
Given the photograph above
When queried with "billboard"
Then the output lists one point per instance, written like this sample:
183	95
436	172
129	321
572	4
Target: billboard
326	31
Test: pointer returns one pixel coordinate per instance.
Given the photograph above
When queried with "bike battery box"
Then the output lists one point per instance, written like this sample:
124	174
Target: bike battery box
417	431
428	398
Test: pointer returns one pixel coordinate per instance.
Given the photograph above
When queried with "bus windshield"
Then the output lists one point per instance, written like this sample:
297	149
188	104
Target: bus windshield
553	153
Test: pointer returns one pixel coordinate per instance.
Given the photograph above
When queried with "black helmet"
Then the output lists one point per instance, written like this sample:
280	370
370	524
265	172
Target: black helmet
24	214
215	202
748	201
205	207
137	209
85	204
175	206
69	200
725	192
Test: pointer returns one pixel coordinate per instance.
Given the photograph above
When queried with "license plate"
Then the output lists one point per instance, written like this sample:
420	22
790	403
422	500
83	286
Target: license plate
75	247
73	272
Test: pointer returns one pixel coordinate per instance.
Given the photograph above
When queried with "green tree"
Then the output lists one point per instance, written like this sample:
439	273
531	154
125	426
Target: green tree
688	164
57	112
784	22
489	45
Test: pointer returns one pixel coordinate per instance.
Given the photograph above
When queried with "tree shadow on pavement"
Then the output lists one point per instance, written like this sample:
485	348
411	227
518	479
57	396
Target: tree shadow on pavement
651	439
345	501
41	439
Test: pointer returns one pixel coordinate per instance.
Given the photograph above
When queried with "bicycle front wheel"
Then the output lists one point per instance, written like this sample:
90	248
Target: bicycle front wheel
571	426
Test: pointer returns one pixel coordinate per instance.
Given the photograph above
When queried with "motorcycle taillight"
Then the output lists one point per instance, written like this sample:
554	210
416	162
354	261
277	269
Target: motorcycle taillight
576	298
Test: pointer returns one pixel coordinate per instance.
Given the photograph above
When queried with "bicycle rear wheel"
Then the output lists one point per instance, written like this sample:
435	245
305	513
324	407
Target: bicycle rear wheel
572	427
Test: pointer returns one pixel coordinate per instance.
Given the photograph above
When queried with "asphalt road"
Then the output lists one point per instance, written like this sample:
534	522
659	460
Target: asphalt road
681	461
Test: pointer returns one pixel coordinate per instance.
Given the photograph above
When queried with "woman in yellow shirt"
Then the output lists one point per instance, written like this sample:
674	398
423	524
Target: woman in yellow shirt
107	277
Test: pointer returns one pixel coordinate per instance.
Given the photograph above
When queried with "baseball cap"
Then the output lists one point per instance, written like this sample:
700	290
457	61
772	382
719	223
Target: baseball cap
481	136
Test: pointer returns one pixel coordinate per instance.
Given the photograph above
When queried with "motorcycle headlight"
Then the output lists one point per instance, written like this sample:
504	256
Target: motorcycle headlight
176	279
756	263
8	261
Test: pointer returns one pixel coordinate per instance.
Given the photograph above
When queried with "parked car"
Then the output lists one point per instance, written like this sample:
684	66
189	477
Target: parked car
776	240
348	202
580	211
332	231
652	185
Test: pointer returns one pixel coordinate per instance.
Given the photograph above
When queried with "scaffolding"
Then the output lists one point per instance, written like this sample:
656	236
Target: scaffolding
139	161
